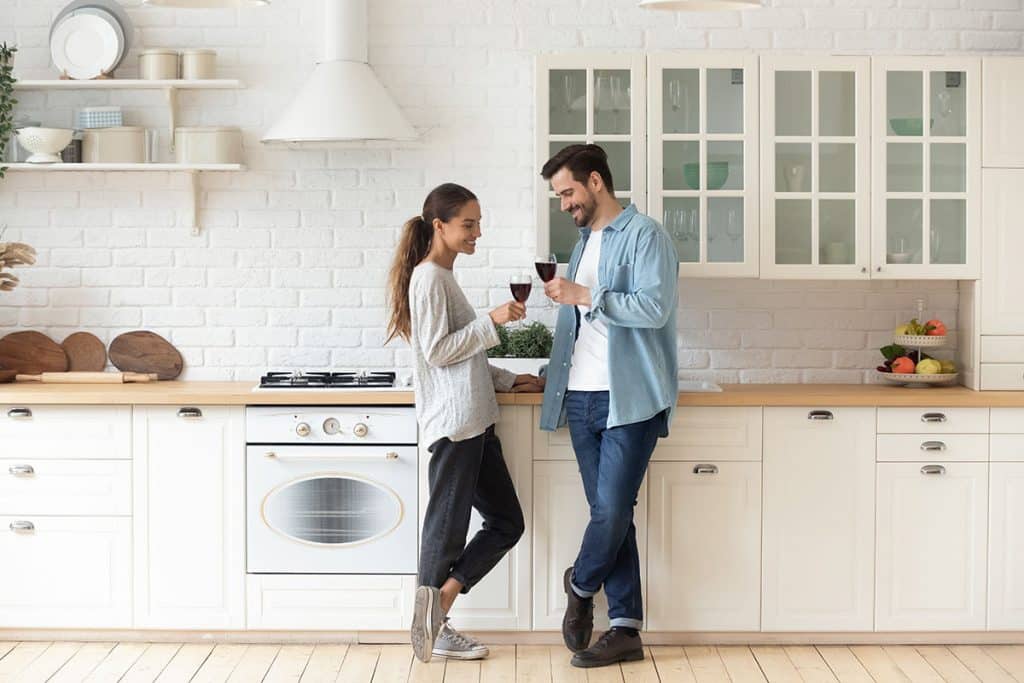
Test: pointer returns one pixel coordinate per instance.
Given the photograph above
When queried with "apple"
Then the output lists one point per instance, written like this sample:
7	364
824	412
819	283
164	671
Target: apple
903	365
902	329
929	366
938	328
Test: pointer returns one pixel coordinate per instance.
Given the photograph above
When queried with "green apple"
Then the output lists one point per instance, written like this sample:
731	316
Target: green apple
928	366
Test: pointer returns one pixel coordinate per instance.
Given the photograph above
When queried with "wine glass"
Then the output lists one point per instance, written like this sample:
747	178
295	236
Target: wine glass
567	92
547	267
733	225
520	284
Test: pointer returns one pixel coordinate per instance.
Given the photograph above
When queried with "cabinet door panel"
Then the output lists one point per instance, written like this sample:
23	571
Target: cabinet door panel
1006	552
1003	78
1002	306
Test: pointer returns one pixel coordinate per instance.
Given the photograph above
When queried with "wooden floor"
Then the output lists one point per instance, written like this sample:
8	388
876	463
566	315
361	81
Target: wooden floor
169	662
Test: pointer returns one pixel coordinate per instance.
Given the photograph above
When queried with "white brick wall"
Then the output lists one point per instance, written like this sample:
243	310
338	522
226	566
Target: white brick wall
289	271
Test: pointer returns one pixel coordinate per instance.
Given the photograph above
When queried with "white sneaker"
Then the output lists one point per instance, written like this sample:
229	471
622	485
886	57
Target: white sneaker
426	621
451	643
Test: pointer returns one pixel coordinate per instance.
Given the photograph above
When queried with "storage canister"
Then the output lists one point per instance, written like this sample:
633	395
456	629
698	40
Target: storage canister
208	145
198	64
120	145
158	64
100	117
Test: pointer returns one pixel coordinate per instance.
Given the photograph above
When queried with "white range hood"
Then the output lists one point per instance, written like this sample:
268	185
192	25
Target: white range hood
342	100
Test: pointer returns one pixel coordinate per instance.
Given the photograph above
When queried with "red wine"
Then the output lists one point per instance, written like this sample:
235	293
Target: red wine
546	270
520	291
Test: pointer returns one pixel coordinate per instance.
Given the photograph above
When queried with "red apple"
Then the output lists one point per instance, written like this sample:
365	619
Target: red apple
903	365
939	328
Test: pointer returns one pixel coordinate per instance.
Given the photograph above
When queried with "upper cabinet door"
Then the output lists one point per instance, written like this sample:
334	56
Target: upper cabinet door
927	151
815	182
589	98
702	154
1003	93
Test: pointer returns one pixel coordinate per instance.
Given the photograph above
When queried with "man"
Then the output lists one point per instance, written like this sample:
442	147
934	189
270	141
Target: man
613	378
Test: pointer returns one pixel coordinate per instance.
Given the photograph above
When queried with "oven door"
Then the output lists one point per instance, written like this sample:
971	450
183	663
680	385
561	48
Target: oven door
331	509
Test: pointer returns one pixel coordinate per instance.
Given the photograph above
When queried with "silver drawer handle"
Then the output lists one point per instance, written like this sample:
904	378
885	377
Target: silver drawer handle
21	470
933	417
933	446
820	415
22	526
19	413
705	469
190	413
933	469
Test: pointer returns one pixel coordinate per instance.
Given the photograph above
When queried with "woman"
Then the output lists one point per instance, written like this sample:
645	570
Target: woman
456	409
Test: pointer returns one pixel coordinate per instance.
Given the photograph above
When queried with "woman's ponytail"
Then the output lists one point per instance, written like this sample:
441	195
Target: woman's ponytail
413	247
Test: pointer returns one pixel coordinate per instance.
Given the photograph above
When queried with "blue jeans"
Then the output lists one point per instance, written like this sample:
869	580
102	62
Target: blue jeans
612	464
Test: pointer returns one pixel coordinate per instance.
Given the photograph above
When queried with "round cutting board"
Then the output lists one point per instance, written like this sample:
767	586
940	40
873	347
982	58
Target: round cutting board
146	352
86	353
31	353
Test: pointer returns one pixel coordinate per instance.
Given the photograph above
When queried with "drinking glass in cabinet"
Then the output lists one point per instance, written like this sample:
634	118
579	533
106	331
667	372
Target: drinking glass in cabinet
793	231
725	165
725	100
681	165
682	221
792	103
948	103
611	102
903	226
837	229
904	168
681	100
837	103
567	98
725	229
948	234
904	96
793	167
948	167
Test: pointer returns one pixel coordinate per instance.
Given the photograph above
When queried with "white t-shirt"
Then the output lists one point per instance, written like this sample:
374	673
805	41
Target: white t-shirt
589	371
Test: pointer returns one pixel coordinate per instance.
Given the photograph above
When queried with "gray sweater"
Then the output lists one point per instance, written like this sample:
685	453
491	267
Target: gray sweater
454	383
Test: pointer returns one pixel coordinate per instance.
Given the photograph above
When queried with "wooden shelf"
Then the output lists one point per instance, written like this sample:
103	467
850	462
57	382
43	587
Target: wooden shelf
191	168
129	84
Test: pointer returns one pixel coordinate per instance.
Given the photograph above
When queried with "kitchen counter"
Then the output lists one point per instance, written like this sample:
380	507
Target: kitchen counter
241	393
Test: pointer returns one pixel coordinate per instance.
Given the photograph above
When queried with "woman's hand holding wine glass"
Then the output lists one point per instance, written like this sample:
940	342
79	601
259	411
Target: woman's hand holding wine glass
508	312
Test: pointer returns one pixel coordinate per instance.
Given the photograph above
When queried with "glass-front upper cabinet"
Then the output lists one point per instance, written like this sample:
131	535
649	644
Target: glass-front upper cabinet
702	159
588	98
815	182
927	151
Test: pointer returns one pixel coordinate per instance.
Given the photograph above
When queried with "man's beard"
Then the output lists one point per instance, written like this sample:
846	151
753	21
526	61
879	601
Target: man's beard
587	210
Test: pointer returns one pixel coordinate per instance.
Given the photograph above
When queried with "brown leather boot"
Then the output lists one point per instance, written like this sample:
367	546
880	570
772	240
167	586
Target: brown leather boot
616	645
578	622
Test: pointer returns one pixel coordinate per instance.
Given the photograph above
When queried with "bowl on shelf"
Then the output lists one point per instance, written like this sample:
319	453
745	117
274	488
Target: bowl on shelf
909	126
898	257
718	173
46	144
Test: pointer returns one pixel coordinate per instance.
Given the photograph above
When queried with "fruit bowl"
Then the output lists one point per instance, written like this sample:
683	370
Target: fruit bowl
914	380
919	340
45	143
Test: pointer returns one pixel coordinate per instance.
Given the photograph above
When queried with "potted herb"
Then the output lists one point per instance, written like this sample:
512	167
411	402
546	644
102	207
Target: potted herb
522	350
7	100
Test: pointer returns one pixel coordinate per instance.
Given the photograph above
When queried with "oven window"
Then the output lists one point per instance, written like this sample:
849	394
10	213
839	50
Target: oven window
332	510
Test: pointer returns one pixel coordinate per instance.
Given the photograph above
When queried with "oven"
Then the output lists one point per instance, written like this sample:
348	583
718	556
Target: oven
331	490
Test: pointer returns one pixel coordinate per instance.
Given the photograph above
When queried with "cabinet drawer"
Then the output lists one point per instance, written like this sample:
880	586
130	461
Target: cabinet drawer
933	420
1002	349
1007	421
1006	448
932	448
65	487
329	602
1002	376
70	572
715	434
66	432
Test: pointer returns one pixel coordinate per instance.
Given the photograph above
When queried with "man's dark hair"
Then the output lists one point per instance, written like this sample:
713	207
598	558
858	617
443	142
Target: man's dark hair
581	160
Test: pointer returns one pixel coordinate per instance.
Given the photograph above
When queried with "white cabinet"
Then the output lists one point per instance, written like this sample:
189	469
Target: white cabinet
65	487
1002	306
587	98
501	600
1003	93
1006	545
819	501
931	564
65	572
703	159
189	517
926	137
815	180
560	516
66	432
704	546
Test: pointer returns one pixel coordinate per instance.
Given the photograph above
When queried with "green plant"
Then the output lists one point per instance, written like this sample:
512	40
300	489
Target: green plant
532	341
7	101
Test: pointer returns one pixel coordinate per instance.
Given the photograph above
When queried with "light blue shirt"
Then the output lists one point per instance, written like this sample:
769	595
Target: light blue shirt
636	297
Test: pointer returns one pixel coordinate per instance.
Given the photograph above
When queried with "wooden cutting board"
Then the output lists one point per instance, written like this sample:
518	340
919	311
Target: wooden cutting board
86	353
7	376
31	353
145	352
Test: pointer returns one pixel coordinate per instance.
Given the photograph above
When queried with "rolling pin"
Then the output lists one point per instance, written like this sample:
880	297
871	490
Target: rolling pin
87	377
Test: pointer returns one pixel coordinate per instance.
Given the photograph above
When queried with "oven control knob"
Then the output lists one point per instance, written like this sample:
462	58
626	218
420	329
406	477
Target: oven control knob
331	426
302	429
360	430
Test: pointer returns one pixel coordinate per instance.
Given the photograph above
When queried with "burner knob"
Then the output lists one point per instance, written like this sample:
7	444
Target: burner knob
302	429
331	426
360	430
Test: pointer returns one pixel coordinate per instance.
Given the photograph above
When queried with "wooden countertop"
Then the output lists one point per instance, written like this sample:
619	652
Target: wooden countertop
241	393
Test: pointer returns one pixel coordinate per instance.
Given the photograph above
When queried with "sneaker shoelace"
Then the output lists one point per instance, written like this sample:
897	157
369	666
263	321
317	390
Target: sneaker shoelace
460	639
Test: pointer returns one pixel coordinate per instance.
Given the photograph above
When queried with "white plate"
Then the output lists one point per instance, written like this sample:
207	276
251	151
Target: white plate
87	43
123	21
